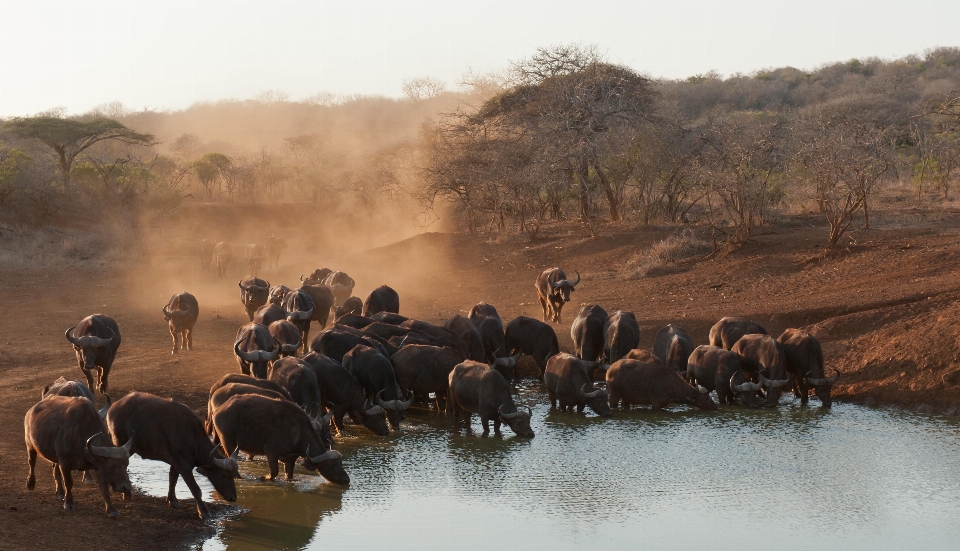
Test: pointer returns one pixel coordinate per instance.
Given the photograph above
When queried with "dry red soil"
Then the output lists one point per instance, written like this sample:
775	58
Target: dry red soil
885	308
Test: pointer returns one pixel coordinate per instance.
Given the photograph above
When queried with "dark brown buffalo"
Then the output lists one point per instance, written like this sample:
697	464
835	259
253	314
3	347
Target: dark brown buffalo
446	336
717	369
388	317
299	380
181	314
375	374
467	331
288	335
568	380
381	299
95	341
279	430
482	311
587	332
621	334
352	305
553	289
64	387
635	382
68	432
299	308
237	378
382	331
490	326
533	337
277	292
168	431
341	285
762	357
343	394
336	341
804	360
254	293
225	392
255	254
355	321
206	253
322	301
644	356
267	314
223	253
726	332
255	349
275	246
478	388
424	369
674	346
316	277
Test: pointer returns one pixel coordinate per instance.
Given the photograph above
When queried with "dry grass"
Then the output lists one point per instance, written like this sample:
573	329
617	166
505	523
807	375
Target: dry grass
663	257
42	248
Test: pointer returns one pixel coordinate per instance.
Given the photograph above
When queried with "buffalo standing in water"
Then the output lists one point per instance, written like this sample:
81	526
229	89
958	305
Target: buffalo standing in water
804	359
95	340
553	289
726	332
635	382
375	373
763	357
568	380
673	345
479	388
181	314
621	334
587	332
533	337
717	369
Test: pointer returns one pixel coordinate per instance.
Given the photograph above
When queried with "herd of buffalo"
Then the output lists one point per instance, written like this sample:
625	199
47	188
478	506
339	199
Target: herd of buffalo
371	364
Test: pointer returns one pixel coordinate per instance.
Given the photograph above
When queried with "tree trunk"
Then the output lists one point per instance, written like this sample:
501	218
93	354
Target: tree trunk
866	214
583	172
612	200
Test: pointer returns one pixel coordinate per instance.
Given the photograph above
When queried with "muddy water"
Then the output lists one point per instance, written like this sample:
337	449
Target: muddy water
851	478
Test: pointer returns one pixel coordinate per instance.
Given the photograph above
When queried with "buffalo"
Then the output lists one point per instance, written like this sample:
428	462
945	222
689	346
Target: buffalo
340	284
322	298
621	334
381	299
343	394
247	380
282	432
299	308
587	332
422	369
568	380
168	431
645	356
206	253
482	311
299	380
95	341
635	382
181	314
804	360
254	293
717	369
763	356
726	332
223	253
533	337
467	332
275	246
68	432
388	317
375	374
674	346
336	341
255	254
276	294
267	314
316	277
255	349
553	289
352	305
478	388
288	335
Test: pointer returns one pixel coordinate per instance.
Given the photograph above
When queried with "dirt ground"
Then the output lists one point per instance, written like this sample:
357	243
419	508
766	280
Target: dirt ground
885	309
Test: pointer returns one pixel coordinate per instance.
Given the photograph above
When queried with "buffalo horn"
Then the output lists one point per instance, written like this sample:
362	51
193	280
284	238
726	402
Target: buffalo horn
245	356
106	407
370	409
773	384
110	452
408	402
573	284
325	456
301	278
275	353
829	381
588	395
225	463
507	415
746	386
73	340
391	405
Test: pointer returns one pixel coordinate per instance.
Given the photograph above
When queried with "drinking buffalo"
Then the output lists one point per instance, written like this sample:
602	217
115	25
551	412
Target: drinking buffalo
276	294
804	360
726	332
587	332
225	392
287	335
553	289
447	337
335	342
68	432
223	253
467	331
381	299
206	253
95	341
255	348
343	394
322	302
268	314
255	254
299	380
674	346
281	431
621	334
763	356
422	369
237	378
299	308
352	305
168	431
636	382
275	246
478	388
717	369
375	374
253	294
568	380
533	337
340	284
181	314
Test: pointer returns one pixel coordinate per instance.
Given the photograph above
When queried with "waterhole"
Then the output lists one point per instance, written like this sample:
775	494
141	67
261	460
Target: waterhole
849	478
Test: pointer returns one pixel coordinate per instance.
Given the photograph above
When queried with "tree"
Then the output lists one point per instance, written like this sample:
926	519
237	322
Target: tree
422	88
212	171
68	138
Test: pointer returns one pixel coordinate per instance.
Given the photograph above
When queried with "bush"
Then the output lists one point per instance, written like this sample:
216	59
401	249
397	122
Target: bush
664	256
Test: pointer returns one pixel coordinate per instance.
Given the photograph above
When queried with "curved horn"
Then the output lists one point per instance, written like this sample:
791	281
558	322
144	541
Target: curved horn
554	284
129	445
507	415
224	463
407	403
589	395
245	356
392	405
370	409
106	407
325	456
828	381
240	284
109	452
73	340
575	283
773	384
301	278
275	353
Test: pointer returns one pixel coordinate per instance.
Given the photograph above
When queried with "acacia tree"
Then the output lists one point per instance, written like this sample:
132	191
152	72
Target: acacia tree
68	138
212	170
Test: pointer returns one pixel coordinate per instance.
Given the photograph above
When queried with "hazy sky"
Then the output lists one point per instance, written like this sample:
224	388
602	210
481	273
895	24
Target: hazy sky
168	55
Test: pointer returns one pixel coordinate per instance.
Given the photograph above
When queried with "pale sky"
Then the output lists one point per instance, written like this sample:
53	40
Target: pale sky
165	55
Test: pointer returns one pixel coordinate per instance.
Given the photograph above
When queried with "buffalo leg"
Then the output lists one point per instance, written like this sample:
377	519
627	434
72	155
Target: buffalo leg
88	476
288	468
88	375
105	493
58	480
187	475
274	464
496	426
172	492
543	304
553	399
804	392
102	385
68	487
174	335
188	333
32	462
486	425
580	407
614	398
